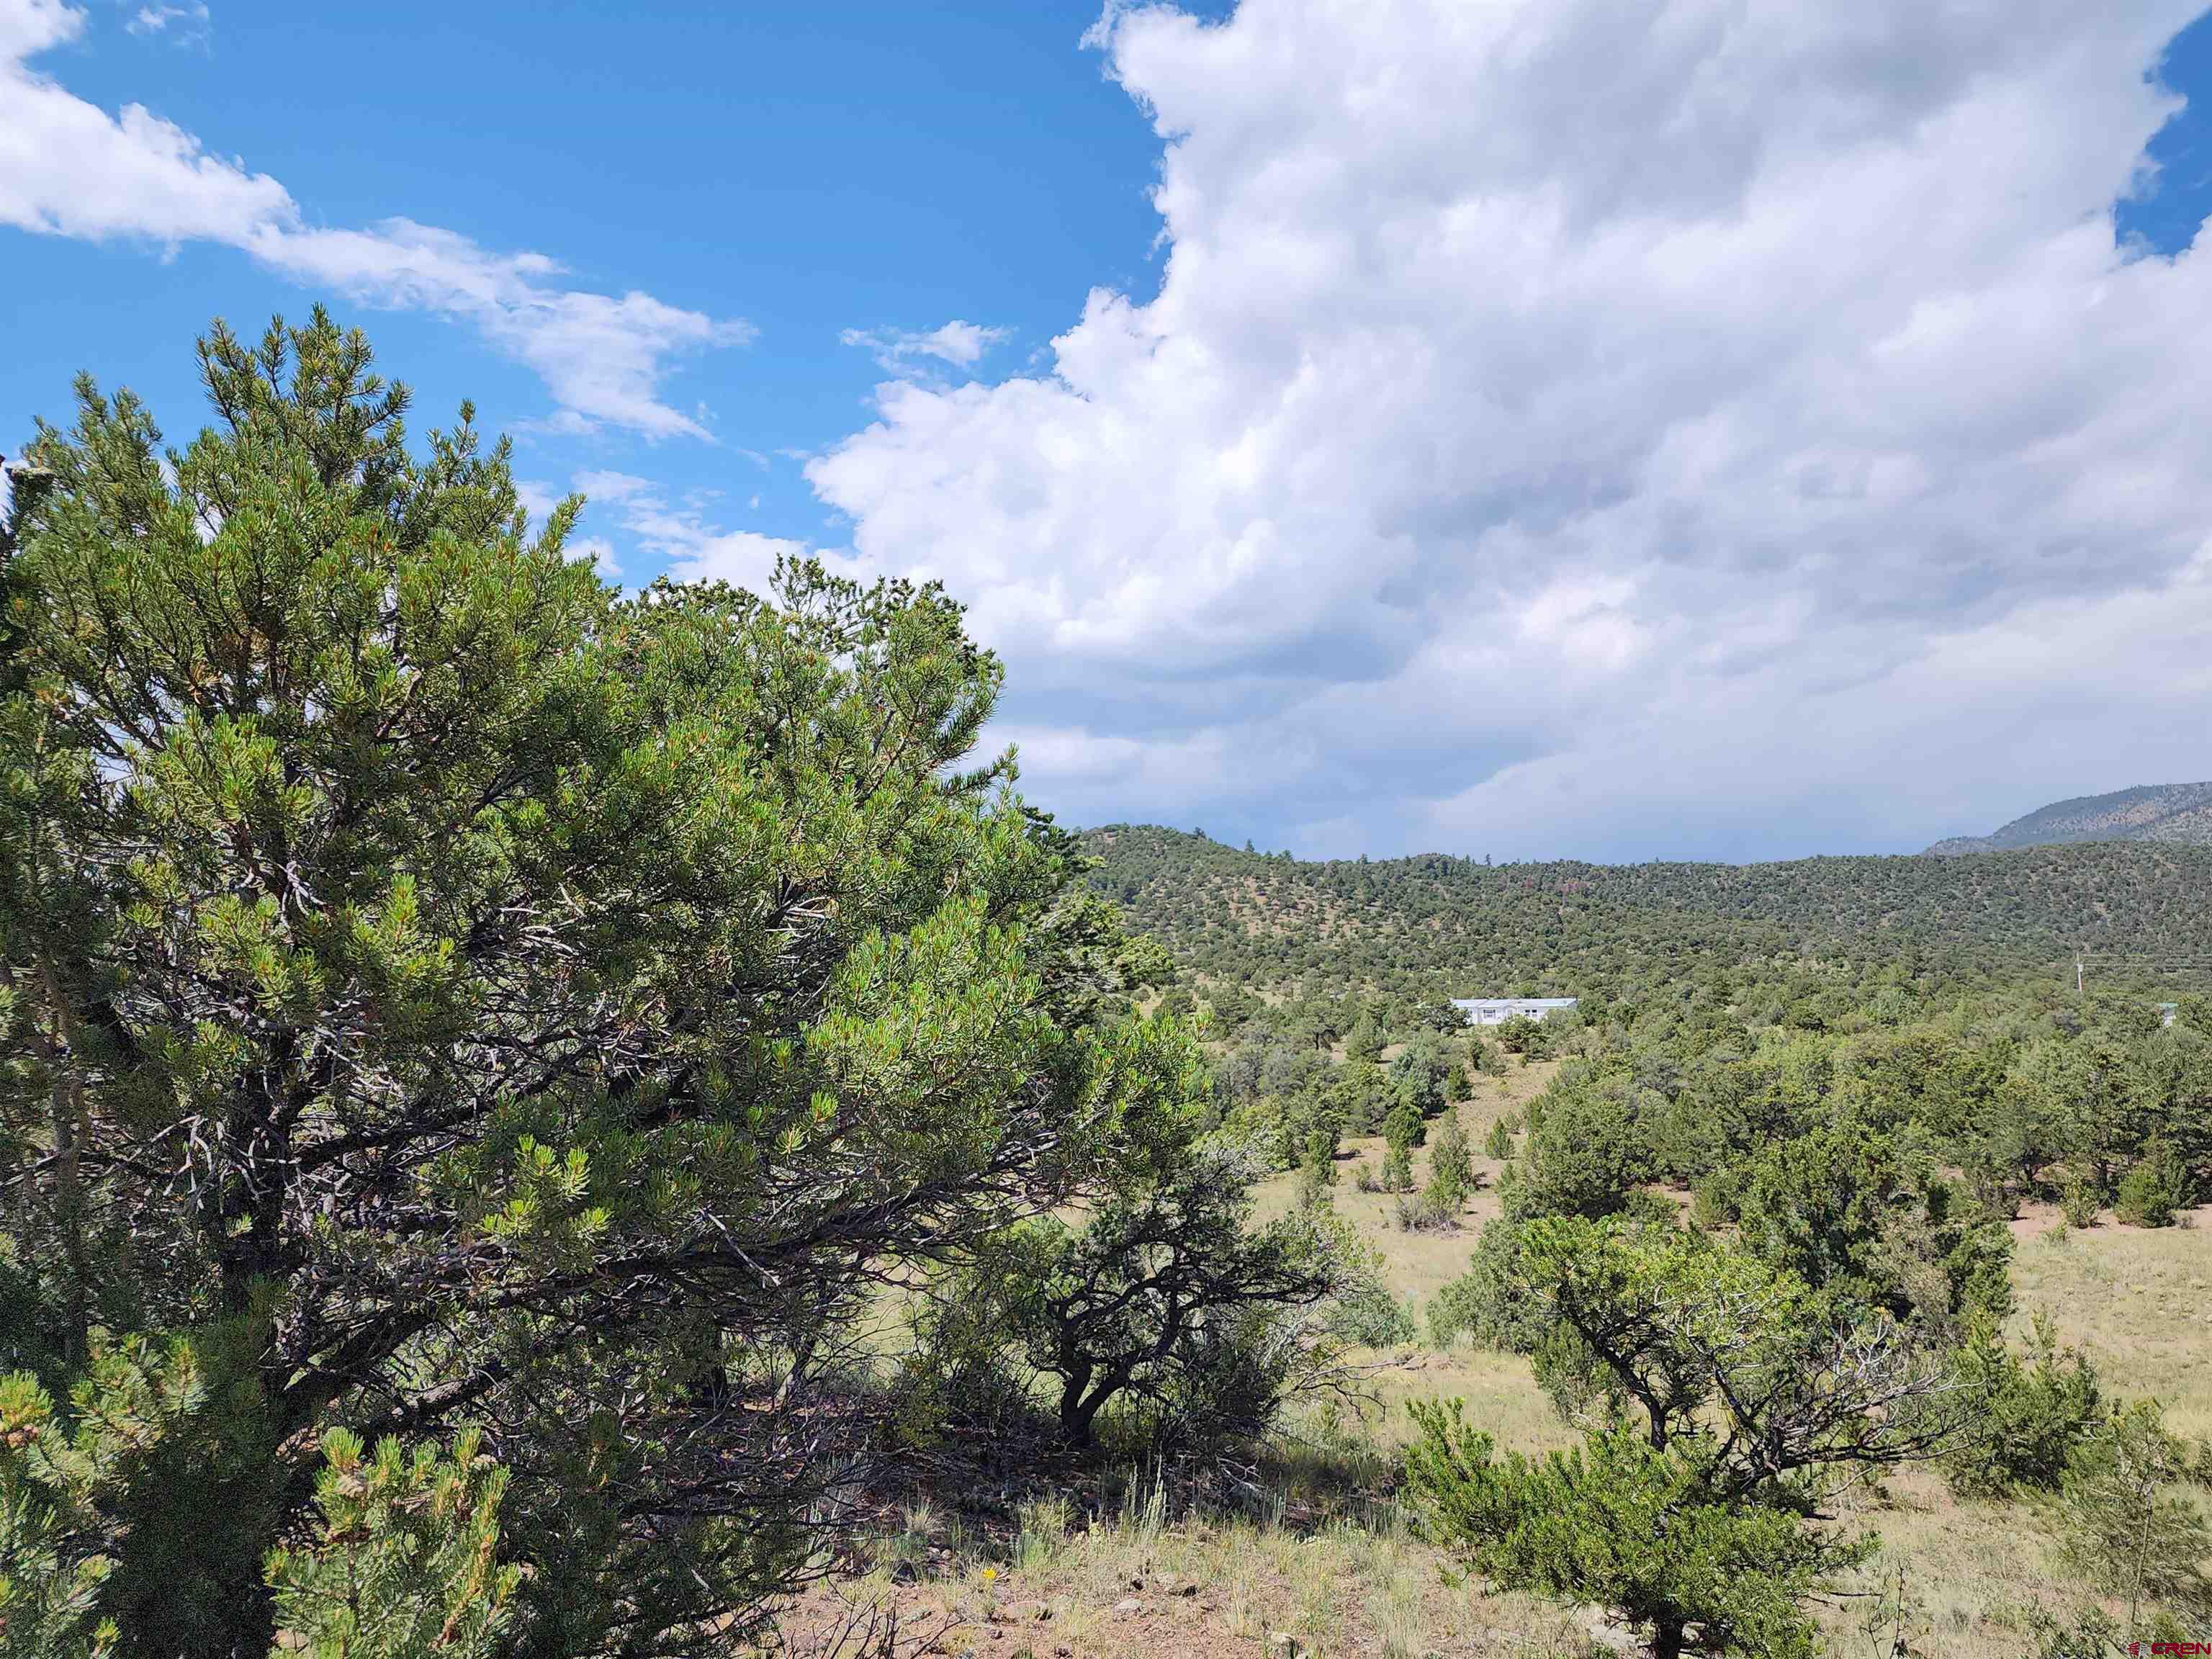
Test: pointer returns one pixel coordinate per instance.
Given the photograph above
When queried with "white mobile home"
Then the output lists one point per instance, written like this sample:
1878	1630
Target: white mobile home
1496	1011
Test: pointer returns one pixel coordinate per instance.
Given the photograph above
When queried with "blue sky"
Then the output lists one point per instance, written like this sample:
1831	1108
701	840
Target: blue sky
2166	215
807	170
1533	428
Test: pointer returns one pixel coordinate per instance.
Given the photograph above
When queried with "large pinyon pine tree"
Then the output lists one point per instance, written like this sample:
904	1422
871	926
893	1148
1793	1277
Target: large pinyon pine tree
448	1002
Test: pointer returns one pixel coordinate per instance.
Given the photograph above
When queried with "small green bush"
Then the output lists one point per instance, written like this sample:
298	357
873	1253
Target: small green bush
1317	1169
2028	1417
1638	1530
2078	1202
2155	1188
1397	1170
2126	1526
1451	1171
1364	1312
405	1565
1454	1312
1432	1208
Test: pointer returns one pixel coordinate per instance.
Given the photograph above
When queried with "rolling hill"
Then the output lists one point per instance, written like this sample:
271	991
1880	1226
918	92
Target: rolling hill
1432	925
2179	813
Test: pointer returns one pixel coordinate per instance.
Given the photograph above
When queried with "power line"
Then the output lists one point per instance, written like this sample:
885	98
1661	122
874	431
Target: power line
2112	961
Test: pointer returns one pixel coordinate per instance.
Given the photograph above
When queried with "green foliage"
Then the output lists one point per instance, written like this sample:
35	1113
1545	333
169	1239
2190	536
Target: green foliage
1365	1040
1165	1300
954	1379
1868	1213
1587	1151
1731	1398
2155	1188
1494	1302
2025	1417
1317	1169
406	1563
1362	1311
1451	1168
1675	1324
1636	1528
492	997
2127	1528
1451	1179
1430	926
1419	1075
1458	1087
75	1486
1524	1037
1355	1096
1499	1142
1438	1014
2078	1202
1397	1172
53	1564
1403	1127
437	987
1454	1312
1726	1010
1427	1211
201	1494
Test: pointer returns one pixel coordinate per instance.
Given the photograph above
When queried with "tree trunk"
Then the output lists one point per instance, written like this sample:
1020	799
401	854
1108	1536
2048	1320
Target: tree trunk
1079	1411
68	1111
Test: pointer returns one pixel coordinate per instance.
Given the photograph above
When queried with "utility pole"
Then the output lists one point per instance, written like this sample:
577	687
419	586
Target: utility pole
2077	976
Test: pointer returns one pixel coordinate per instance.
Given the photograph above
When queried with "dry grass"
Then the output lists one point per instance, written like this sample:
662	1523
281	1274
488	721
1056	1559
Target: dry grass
2138	1298
1972	1572
1132	1585
1949	1577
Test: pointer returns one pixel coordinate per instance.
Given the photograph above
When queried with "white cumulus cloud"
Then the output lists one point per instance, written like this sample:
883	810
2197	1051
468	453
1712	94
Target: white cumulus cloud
679	534
1585	426
956	345
187	25
69	168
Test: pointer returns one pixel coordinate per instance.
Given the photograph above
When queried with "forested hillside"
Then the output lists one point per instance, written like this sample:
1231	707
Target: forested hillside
1432	925
2159	811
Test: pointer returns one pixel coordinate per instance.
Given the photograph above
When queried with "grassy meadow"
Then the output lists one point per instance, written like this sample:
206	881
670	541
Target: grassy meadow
1320	1561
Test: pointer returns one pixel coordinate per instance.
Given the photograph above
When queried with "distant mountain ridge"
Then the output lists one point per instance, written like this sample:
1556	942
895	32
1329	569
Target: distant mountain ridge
2155	811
